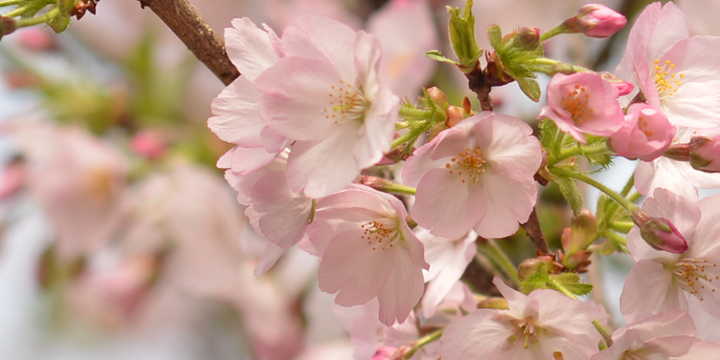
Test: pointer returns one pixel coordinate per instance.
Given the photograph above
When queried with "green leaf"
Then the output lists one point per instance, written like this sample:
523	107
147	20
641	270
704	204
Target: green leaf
530	87
548	135
437	56
495	36
535	281
570	191
571	282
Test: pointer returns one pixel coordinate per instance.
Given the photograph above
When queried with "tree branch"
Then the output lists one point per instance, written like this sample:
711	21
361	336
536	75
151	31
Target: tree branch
184	20
534	231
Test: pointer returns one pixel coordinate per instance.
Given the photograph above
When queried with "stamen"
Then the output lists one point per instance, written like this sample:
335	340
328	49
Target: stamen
695	275
665	81
382	233
470	162
351	105
576	104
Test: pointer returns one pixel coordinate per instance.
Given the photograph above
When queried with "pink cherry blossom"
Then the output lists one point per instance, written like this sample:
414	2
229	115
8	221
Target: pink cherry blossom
327	96
237	116
79	181
368	251
661	281
476	175
535	327
676	73
448	259
646	134
666	335
676	176
583	103
275	211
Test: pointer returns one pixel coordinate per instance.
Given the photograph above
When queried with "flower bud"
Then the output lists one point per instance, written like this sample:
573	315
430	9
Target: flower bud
704	150
462	37
528	267
454	116
384	353
438	96
595	20
646	134
525	38
582	233
7	25
659	233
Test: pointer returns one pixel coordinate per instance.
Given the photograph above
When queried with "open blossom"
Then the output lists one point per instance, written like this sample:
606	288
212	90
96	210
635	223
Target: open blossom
583	103
274	210
676	176
367	251
677	73
327	96
237	115
448	259
645	134
661	281
666	335
476	175
535	327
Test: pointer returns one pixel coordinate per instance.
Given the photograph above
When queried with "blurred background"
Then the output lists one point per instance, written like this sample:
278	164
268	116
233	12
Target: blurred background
119	239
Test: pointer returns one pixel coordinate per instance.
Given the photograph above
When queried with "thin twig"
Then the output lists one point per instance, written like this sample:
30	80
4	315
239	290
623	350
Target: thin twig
185	21
534	231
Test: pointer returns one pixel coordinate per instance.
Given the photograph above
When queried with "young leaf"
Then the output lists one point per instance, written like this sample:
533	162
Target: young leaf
570	191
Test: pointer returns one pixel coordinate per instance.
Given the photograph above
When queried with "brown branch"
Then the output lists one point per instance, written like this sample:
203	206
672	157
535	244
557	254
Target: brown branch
534	231
184	20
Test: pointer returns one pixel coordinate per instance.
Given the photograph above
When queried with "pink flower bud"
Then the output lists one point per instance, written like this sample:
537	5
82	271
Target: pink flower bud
384	353
659	233
595	20
646	134
705	150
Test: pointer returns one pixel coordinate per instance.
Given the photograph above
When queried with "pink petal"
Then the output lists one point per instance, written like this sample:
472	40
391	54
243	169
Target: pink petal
286	214
446	206
237	116
249	48
650	289
510	204
403	289
509	146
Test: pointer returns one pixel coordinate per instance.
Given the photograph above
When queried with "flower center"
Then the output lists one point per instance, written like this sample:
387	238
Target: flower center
695	275
381	233
666	81
347	103
576	104
526	330
468	164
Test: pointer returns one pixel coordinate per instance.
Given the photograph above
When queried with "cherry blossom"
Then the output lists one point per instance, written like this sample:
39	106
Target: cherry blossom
368	251
537	326
646	134
599	21
676	73
705	150
666	335
583	103
477	175
661	281
326	95
237	116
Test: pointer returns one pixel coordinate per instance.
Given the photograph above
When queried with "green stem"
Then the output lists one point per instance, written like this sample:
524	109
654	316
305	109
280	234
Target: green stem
560	29
592	182
557	286
493	252
398	189
615	238
628	186
620	226
635	197
604	332
424	341
402	139
18	11
557	149
11	2
578	150
37	20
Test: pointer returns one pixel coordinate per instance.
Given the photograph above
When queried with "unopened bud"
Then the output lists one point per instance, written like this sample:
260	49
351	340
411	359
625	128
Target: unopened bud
8	26
595	20
623	87
582	233
659	233
438	96
384	353
528	267
454	116
525	38
705	152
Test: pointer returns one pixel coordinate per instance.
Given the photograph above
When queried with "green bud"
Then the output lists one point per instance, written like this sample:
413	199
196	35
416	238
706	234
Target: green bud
529	267
462	37
583	232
